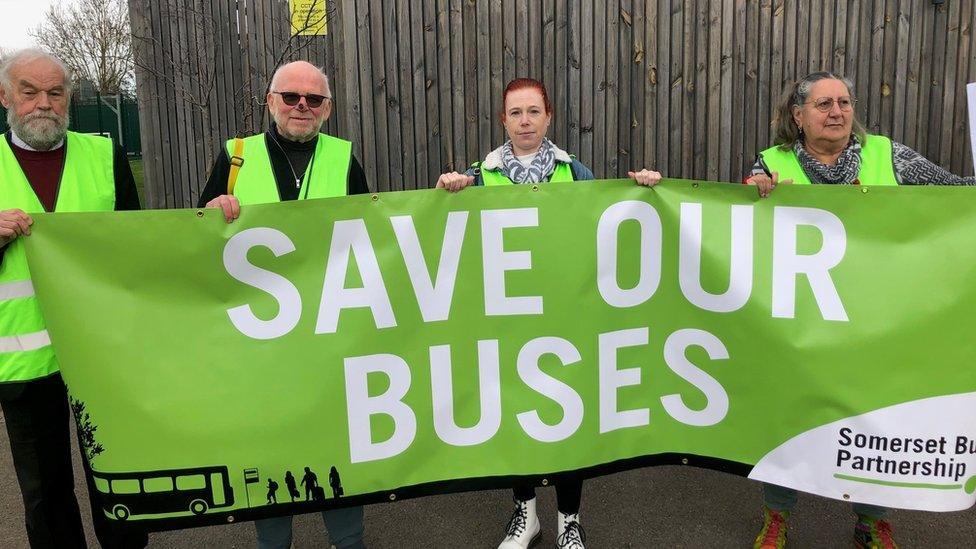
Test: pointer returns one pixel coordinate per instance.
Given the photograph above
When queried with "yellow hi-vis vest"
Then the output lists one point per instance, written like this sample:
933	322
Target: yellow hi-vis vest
87	184
326	176
877	165
562	174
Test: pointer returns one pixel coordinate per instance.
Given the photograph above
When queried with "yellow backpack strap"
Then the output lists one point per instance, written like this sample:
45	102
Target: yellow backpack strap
236	161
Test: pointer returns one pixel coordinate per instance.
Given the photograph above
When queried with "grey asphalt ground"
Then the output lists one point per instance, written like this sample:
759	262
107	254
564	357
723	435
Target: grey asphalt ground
653	507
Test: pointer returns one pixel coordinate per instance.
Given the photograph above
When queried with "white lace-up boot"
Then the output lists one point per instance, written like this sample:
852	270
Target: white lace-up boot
523	528
570	534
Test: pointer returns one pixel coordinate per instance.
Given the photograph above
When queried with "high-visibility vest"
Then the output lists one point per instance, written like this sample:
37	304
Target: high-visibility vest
562	174
326	176
877	165
87	185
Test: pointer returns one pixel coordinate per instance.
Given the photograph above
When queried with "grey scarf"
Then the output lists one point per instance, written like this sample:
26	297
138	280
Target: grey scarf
539	170
844	172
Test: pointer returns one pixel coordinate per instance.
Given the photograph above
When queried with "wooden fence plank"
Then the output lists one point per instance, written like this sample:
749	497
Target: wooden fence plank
676	91
558	79
469	82
751	86
764	75
726	173
776	81
347	103
949	89
367	107
449	162
901	29
698	90
636	63
456	65
414	18
573	84
392	101
587	83
499	57
938	82
961	163
612	95
888	63
433	138
407	146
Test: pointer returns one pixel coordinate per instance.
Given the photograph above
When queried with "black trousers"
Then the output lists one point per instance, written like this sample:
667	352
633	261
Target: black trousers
569	491
40	442
38	426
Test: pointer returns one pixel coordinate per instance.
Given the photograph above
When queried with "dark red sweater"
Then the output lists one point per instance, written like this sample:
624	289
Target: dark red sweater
43	171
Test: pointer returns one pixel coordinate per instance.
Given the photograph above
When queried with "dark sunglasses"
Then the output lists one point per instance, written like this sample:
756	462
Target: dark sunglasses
313	101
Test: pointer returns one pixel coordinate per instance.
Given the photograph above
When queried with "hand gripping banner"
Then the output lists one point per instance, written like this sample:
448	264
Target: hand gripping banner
325	353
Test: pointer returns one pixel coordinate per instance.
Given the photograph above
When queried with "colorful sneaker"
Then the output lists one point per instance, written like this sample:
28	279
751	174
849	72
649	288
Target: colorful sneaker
569	533
773	533
523	528
872	533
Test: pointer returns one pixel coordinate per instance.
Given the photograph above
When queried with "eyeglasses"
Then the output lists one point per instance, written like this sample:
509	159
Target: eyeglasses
313	100
825	104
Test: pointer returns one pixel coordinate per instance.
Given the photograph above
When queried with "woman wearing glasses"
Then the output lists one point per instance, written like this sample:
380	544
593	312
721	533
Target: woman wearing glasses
820	141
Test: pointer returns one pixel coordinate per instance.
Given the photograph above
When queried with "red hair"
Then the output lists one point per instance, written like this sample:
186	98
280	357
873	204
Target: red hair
525	84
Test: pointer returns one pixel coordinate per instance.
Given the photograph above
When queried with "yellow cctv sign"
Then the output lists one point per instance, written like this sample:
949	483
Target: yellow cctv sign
308	17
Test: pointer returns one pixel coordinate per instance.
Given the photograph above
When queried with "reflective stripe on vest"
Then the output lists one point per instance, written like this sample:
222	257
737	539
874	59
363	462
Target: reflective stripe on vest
87	184
877	166
562	174
327	174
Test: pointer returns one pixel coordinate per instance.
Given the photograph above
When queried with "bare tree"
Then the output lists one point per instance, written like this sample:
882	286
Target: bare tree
92	37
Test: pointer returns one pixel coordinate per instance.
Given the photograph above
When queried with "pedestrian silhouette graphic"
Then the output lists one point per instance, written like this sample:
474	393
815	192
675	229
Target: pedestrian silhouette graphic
272	489
335	482
291	486
310	481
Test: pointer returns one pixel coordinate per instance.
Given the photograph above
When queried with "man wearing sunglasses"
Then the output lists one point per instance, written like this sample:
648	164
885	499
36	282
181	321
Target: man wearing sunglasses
291	161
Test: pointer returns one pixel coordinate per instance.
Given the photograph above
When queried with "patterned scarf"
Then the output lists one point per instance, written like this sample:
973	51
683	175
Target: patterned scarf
844	172
539	170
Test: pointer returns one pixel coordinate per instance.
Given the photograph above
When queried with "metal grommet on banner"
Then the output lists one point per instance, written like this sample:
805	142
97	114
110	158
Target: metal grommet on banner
199	213
694	185
864	190
392	497
535	188
230	518
545	482
847	496
684	461
376	197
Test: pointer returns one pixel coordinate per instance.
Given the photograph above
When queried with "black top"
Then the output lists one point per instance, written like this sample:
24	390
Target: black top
280	152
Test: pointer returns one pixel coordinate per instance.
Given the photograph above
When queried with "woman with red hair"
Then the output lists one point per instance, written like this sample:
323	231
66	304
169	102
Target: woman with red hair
529	157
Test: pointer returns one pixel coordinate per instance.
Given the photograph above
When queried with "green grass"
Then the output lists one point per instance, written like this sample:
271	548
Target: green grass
136	165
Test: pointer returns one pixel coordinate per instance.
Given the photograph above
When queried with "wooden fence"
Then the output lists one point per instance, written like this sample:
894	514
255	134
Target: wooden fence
686	87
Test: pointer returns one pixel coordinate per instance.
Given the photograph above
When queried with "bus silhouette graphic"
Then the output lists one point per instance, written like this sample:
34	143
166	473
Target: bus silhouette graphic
193	490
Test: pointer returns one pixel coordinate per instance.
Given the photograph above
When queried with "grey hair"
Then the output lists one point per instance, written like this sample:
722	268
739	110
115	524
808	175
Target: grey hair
785	130
27	55
325	77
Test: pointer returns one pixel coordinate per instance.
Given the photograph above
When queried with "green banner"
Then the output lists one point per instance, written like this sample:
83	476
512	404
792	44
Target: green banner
370	348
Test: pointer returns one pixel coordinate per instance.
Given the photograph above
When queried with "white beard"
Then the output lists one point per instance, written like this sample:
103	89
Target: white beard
41	131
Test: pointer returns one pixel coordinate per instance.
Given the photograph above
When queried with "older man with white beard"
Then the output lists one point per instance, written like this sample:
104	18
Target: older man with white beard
46	168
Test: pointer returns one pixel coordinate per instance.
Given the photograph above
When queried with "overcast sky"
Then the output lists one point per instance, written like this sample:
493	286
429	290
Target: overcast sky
19	17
